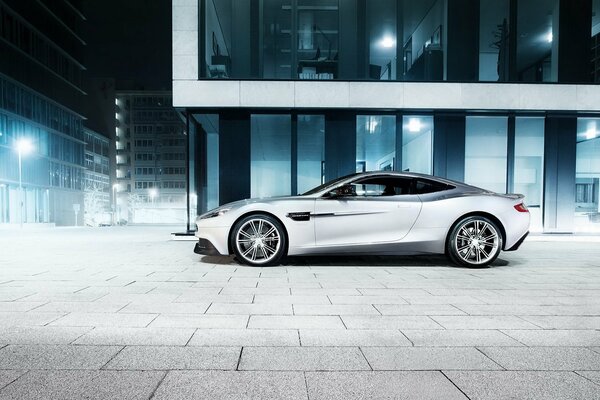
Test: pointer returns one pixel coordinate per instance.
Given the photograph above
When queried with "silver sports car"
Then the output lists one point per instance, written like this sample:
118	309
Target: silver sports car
369	213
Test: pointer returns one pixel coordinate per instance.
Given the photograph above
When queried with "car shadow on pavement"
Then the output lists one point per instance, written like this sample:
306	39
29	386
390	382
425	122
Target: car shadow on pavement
357	261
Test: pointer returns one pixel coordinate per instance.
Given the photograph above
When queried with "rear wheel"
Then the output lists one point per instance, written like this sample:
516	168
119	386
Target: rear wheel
258	240
474	241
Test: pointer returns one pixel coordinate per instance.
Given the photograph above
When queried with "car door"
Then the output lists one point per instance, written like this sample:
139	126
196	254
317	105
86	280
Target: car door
374	214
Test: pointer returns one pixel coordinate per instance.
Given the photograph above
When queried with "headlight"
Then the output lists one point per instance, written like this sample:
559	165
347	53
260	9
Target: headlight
214	213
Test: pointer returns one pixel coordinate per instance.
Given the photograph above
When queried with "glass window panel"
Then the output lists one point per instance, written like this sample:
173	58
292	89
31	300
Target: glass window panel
493	40
529	159
587	183
311	151
381	30
536	37
417	144
270	155
485	152
375	143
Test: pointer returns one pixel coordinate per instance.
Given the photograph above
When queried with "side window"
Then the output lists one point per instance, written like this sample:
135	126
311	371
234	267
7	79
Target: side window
382	186
424	186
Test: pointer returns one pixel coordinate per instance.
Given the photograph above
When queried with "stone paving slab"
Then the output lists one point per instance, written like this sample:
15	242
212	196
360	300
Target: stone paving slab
415	385
544	358
136	336
389	322
459	338
561	338
355	337
56	356
423	358
104	319
530	385
295	322
175	357
75	385
245	337
41	334
302	359
9	376
232	385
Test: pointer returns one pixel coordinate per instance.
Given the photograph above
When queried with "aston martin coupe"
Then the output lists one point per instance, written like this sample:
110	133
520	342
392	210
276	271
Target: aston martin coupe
383	213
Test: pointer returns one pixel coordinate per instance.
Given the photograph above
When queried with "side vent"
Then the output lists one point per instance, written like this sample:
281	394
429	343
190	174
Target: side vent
299	216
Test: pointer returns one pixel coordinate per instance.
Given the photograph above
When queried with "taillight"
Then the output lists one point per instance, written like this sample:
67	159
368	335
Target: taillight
521	207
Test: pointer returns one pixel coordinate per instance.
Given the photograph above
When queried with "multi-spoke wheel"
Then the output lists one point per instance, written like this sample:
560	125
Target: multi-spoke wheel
258	240
474	242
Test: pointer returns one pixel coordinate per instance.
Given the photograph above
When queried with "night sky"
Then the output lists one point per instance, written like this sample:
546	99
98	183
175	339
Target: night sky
129	40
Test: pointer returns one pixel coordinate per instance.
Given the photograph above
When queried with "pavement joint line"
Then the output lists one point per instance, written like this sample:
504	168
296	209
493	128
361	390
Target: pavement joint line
158	385
153	319
14	380
72	342
490	358
306	385
407	338
237	367
515	339
365	357
585	377
113	357
56	319
454	384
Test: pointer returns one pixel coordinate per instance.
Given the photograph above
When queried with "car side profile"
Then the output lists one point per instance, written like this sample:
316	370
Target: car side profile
380	213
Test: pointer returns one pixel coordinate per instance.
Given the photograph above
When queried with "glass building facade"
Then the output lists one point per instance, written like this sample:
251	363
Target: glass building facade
282	95
150	159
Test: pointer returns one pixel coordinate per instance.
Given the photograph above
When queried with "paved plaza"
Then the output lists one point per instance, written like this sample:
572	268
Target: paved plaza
127	313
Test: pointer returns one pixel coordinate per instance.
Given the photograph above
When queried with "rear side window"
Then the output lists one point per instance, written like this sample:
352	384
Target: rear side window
424	186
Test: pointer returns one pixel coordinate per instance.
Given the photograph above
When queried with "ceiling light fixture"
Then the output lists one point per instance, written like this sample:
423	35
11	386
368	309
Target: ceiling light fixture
388	42
414	125
549	37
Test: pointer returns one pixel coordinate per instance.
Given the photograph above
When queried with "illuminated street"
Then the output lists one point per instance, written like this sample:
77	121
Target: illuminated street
128	313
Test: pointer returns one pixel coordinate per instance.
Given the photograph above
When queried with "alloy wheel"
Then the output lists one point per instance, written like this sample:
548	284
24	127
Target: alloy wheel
477	242
258	241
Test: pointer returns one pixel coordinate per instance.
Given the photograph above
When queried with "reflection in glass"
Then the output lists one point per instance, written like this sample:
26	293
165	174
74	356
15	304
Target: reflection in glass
311	151
536	35
587	193
494	40
485	152
381	28
270	155
529	165
375	142
417	144
277	39
317	39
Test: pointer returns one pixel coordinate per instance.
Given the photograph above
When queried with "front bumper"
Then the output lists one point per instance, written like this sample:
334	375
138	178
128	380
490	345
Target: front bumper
205	247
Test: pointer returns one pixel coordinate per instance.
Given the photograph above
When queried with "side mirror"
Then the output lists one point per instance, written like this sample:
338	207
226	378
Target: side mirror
342	191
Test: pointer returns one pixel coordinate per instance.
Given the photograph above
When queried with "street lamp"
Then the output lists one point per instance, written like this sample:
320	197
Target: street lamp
24	147
153	193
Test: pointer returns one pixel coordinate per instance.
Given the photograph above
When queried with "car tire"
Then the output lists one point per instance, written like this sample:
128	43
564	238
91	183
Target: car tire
258	240
474	242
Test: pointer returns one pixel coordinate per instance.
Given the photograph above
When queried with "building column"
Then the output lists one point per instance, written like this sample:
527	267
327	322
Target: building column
234	156
449	146
571	52
462	41
340	144
560	155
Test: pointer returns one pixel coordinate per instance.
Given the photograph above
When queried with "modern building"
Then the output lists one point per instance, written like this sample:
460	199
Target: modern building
150	158
98	204
41	133
281	95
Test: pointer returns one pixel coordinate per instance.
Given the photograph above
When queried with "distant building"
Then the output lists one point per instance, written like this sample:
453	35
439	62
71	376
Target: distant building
40	109
151	158
97	196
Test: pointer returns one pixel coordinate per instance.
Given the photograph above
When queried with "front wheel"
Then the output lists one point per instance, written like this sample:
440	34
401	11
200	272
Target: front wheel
474	242
258	240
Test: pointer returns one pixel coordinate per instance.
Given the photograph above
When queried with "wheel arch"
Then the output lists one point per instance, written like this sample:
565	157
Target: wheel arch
487	215
256	212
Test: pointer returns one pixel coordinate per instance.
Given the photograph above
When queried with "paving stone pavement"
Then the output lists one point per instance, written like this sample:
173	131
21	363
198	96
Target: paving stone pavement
127	313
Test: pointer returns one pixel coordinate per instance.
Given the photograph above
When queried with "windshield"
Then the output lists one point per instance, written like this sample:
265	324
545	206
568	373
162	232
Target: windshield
326	185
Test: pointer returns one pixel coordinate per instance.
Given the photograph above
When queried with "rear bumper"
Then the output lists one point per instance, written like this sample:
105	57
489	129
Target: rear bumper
519	243
205	247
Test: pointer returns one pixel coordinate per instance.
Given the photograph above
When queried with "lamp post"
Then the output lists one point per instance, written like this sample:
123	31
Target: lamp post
23	148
